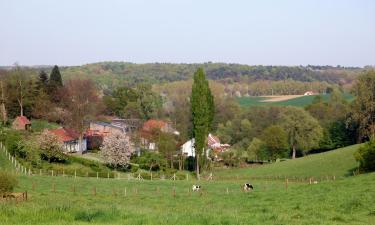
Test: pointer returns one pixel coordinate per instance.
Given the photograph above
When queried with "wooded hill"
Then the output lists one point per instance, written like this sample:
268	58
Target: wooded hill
112	74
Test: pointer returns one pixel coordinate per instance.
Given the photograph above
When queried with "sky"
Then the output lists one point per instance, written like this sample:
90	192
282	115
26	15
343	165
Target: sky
263	32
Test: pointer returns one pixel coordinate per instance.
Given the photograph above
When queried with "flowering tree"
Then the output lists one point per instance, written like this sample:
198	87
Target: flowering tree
50	147
116	149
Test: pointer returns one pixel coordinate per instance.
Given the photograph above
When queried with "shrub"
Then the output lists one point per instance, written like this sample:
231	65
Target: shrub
150	161
7	182
11	141
365	155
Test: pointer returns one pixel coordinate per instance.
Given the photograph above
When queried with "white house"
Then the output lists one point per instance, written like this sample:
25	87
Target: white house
70	139
213	143
188	148
309	93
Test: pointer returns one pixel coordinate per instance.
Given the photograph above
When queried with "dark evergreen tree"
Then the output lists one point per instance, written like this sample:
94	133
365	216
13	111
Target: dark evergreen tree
54	84
55	78
202	106
42	81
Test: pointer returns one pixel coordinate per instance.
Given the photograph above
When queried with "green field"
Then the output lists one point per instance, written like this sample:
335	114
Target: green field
299	102
338	163
348	200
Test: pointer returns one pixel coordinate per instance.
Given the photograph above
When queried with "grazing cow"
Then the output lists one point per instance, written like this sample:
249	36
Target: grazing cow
247	187
196	187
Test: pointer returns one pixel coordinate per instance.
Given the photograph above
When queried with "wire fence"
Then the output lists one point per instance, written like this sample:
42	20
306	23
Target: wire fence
29	171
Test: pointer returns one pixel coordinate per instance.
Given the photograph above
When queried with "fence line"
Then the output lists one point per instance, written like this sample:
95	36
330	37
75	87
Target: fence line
19	168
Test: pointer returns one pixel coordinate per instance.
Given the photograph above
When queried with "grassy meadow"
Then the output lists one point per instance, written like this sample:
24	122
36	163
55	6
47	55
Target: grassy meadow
63	200
339	163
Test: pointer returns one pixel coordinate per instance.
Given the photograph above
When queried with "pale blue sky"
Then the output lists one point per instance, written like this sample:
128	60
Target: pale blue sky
74	32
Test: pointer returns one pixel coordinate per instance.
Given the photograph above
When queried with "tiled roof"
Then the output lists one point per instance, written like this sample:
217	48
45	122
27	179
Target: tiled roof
23	120
65	134
150	125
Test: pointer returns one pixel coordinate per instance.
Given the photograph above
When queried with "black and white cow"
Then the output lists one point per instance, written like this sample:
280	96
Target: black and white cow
196	187
247	187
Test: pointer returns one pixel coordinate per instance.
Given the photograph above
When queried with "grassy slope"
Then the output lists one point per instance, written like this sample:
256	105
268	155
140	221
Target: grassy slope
299	102
5	164
40	125
339	162
344	201
347	201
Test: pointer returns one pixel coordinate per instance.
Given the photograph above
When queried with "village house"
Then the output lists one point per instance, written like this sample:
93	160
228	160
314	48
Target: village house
307	93
148	131
213	144
21	123
70	140
104	128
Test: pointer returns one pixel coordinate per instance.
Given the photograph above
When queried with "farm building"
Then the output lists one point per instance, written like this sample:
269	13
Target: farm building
150	127
103	128
70	139
213	143
21	123
122	125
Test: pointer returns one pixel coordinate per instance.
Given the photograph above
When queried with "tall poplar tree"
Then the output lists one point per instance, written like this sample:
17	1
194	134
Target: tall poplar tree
202	108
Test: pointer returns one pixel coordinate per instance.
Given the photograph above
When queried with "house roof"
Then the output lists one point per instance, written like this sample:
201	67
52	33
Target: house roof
23	120
65	134
212	140
152	124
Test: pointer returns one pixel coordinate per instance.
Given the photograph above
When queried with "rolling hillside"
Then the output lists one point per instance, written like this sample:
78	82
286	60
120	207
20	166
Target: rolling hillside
339	163
63	200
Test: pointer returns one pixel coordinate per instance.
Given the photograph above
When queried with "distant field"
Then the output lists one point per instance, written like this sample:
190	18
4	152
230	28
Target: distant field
301	101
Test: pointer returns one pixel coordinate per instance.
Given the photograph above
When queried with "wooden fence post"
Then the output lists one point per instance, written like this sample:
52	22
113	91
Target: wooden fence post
174	192
187	177
227	191
286	183
151	175
125	192
40	172
75	174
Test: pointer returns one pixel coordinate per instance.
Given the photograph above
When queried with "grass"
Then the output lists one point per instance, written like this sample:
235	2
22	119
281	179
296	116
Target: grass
40	125
339	163
349	200
302	101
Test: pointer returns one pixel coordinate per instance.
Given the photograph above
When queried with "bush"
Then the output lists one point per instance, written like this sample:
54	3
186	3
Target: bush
11	141
366	156
150	161
7	182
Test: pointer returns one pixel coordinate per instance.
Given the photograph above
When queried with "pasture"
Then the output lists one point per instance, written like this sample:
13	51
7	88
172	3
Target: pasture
339	163
294	100
67	200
